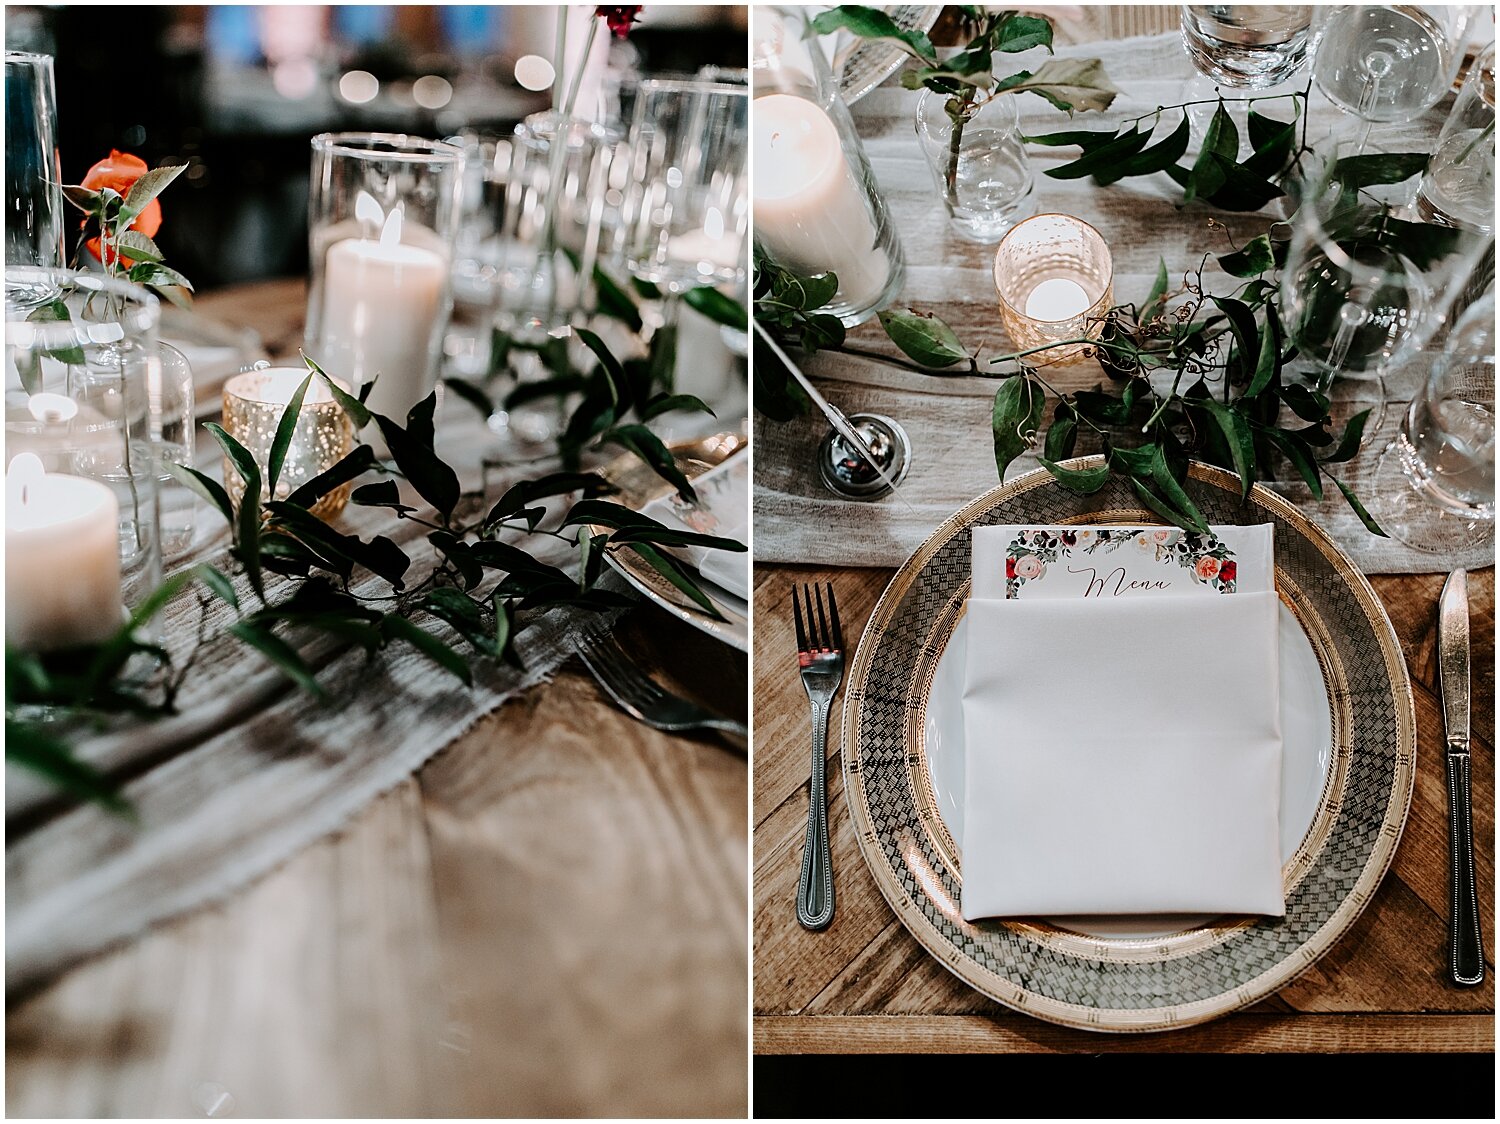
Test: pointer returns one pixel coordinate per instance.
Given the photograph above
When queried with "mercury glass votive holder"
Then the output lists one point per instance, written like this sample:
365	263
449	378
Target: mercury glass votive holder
1054	277
254	401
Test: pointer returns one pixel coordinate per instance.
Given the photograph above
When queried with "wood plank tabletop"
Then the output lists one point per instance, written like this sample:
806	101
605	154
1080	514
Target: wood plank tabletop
547	920
865	985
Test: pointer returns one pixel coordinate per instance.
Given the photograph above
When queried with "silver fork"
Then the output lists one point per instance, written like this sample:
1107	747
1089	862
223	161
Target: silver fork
641	697
820	655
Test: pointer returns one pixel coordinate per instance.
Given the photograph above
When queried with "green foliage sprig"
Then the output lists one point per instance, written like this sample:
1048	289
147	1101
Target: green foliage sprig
109	215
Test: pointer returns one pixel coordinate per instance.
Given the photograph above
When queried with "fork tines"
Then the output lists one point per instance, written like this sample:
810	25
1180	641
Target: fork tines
817	636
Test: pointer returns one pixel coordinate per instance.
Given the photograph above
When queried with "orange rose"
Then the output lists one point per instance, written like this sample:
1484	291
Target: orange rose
119	171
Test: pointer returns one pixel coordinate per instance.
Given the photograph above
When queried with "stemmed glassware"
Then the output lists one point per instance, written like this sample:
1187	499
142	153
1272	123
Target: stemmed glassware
1435	485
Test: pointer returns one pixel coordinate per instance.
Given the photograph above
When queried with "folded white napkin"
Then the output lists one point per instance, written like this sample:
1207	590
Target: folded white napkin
723	509
1123	740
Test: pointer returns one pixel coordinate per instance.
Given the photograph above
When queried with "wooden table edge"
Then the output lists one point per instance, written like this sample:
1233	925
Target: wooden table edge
1294	1033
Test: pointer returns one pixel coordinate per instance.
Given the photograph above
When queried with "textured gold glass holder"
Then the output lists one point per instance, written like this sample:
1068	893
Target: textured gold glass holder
1052	247
253	404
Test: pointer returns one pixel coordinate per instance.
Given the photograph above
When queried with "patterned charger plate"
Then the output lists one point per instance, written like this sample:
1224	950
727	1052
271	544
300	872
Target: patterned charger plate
1137	983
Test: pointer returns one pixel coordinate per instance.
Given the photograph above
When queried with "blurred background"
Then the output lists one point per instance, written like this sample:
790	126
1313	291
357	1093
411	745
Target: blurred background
235	91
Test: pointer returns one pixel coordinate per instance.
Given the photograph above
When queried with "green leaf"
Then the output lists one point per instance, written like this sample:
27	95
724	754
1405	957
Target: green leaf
1083	481
1353	172
1359	509
355	463
383	493
284	430
154	273
1250	260
1014	419
353	406
646	445
1062	434
871	23
505	632
1271	143
1022	33
396	627
1221	147
1086	139
148	187
607	514
670	536
1300	457
36	747
527	492
221	586
1167	483
718	307
926	339
1242	190
281	654
1158	290
1154	159
1268	362
513	560
471	394
1069	84
247	534
206	487
674	571
1309	405
619	385
665	403
615	301
1241	441
1354	433
90	202
1101	160
433	479
138	247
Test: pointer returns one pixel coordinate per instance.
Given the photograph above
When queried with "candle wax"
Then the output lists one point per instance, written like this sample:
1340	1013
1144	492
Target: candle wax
1057	298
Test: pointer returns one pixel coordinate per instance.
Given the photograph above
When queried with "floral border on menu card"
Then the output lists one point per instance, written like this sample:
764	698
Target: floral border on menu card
1206	557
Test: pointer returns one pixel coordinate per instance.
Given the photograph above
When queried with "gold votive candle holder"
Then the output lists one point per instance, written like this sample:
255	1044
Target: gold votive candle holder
1055	280
254	401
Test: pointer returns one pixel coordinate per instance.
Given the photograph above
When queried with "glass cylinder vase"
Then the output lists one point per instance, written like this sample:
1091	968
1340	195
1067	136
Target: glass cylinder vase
33	185
983	177
82	539
1458	188
817	207
382	226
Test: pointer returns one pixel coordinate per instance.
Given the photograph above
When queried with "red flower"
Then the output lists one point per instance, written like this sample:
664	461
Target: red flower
119	171
1227	571
619	17
1010	568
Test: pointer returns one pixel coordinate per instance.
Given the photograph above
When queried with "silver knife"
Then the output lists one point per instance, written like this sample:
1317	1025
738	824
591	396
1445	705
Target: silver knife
1466	947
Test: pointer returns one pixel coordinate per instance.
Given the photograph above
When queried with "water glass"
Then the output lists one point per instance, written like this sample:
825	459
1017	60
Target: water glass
686	212
382	225
82	532
33	183
1443	498
1458	188
986	182
1389	63
1247	46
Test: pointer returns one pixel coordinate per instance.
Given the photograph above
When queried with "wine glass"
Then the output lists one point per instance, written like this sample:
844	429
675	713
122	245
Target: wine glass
1435	486
1389	63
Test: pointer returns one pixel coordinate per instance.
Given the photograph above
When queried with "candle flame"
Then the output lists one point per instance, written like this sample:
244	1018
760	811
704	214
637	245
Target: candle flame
368	212
390	233
25	470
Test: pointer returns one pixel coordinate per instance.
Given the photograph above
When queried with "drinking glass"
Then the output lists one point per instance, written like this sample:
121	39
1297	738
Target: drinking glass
1244	45
382	225
477	252
81	522
686	211
1435	488
1389	63
33	184
986	182
1458	188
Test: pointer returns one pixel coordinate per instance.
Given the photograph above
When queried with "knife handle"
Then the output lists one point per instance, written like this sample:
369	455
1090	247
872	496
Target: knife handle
1463	914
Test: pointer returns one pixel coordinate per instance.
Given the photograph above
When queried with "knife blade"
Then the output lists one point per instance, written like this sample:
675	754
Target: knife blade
1466	947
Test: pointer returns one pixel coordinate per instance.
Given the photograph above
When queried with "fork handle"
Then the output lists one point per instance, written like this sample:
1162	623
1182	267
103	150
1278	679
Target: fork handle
815	886
1466	947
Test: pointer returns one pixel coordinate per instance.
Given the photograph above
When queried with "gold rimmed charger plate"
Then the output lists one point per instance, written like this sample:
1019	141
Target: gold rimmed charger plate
637	486
1135	984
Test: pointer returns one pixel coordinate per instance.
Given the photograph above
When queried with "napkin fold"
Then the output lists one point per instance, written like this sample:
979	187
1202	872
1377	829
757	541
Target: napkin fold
1122	747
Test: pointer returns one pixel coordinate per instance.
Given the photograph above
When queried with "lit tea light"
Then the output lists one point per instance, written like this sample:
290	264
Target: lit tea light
62	558
1054	277
382	296
254	402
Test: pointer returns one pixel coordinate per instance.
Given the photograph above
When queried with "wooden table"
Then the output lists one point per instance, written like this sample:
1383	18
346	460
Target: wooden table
547	920
865	985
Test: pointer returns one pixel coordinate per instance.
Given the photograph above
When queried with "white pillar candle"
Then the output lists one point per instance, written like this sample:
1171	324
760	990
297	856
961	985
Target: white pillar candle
810	208
1057	298
382	299
62	559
